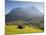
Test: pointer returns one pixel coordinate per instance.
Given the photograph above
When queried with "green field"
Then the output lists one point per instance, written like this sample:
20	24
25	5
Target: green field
12	29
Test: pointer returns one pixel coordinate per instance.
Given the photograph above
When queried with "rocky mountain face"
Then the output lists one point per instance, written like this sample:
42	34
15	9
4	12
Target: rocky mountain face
25	14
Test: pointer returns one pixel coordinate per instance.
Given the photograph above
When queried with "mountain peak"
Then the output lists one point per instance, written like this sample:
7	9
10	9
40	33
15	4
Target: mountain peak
23	13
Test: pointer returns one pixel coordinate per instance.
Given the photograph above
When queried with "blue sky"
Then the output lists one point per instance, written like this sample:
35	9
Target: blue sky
9	5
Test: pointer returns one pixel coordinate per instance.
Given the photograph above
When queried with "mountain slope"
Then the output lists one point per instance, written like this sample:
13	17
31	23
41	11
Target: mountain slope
23	13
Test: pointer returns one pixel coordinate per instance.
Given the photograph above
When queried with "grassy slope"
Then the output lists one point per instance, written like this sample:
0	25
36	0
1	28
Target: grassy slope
12	29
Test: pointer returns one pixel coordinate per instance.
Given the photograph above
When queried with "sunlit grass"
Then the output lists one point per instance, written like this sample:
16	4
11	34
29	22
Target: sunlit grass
12	29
